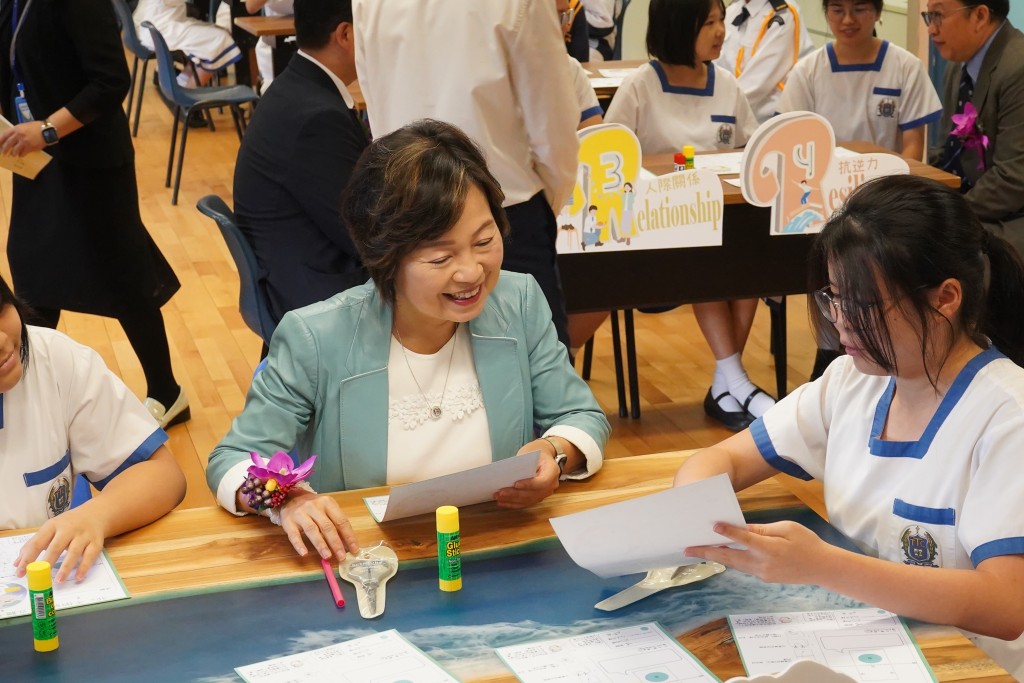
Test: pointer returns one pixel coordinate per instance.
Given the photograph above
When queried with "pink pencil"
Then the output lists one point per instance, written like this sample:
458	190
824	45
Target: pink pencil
332	582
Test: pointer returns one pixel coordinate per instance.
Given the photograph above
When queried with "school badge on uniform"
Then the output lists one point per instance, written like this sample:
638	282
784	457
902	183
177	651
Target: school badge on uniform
59	498
886	108
725	133
919	547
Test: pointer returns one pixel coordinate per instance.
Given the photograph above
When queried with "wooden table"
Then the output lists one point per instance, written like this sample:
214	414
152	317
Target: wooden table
276	29
206	547
606	92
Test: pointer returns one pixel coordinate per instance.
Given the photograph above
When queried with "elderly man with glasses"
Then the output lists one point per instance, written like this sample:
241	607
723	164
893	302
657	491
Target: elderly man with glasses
982	126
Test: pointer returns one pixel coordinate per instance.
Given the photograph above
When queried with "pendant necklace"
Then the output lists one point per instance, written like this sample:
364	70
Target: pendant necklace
435	411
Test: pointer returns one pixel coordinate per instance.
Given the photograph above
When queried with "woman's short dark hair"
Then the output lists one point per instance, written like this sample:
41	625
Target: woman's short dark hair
913	234
877	4
409	187
7	298
673	27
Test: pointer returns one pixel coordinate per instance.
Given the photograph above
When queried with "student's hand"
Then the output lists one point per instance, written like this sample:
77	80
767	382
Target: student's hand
526	492
22	139
320	519
77	531
781	552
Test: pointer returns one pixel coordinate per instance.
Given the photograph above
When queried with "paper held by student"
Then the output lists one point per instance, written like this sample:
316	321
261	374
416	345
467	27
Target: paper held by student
651	531
469	487
29	165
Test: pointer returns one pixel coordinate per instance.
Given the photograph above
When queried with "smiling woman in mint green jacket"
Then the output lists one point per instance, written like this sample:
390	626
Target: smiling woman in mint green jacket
442	363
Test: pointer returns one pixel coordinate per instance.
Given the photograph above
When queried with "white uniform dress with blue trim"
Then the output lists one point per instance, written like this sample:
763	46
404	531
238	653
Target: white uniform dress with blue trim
666	117
951	499
68	415
872	102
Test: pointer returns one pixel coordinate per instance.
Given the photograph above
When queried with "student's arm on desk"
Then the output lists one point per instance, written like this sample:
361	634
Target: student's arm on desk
988	599
326	150
137	496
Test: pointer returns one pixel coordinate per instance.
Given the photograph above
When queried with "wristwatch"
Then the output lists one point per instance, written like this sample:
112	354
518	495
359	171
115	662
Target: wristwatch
560	457
50	136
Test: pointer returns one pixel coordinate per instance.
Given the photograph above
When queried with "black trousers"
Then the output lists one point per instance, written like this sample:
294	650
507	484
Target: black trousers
530	248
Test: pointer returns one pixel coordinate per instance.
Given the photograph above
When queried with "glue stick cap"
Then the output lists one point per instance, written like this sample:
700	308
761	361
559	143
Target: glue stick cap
447	519
679	158
39	578
688	151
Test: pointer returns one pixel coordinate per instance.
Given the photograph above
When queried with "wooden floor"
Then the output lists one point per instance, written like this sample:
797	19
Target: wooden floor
214	353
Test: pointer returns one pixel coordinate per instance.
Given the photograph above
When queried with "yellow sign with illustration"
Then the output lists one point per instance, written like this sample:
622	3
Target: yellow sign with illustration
617	205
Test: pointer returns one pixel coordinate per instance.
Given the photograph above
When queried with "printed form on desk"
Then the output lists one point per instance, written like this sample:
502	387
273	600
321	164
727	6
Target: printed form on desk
101	584
635	653
868	644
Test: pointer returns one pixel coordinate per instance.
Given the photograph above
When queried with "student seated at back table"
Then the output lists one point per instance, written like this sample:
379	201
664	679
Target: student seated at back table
442	363
867	88
916	433
681	98
64	414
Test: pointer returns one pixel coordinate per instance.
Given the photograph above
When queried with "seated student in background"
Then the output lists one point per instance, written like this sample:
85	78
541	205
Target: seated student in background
601	30
64	414
867	88
681	98
209	46
294	163
442	363
987	69
764	39
265	47
916	433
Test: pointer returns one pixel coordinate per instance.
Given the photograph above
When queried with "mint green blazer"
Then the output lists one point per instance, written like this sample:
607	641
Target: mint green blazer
325	387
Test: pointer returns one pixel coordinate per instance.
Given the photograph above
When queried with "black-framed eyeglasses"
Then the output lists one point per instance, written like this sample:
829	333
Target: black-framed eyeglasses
936	18
831	305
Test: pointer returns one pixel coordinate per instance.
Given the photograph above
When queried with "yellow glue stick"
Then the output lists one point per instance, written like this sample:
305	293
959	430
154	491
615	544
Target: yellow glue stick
688	154
44	613
449	550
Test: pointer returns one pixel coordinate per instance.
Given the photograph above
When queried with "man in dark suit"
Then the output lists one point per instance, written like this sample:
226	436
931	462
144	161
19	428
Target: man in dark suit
987	69
295	160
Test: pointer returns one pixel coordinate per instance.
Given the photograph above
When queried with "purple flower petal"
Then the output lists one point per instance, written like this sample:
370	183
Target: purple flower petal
280	463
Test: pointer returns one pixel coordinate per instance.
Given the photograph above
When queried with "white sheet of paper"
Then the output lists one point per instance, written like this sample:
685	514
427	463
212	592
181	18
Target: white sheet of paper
651	531
866	644
722	164
618	73
383	656
101	584
29	165
460	488
636	653
597	82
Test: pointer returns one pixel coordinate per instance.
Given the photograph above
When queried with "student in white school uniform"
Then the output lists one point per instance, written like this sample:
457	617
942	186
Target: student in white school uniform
763	41
63	413
867	88
916	433
265	45
681	98
209	46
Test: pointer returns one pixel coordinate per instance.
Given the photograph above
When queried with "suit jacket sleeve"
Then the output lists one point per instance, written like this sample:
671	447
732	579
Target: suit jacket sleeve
326	150
92	28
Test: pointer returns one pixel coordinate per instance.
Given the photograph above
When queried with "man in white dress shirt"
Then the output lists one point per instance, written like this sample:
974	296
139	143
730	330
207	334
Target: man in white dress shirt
763	41
497	70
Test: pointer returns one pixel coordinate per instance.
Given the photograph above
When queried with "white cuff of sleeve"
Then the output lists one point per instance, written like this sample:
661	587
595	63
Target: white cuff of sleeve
583	441
227	489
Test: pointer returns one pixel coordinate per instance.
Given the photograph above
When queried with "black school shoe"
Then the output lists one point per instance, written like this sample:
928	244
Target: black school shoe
735	421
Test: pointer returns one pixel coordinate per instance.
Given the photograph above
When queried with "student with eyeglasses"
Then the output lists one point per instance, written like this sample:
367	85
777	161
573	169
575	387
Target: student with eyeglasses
917	433
986	70
867	88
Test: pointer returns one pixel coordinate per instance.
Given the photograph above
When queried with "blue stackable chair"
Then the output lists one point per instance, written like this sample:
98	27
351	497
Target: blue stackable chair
141	53
252	303
187	100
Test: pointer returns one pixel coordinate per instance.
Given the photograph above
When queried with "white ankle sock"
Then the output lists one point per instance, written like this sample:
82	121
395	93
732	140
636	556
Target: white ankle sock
737	383
719	386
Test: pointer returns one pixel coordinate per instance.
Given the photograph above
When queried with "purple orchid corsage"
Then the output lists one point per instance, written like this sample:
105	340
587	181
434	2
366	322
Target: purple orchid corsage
966	128
269	482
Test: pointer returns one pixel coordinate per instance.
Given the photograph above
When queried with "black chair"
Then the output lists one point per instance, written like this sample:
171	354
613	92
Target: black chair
619	18
188	100
252	303
140	52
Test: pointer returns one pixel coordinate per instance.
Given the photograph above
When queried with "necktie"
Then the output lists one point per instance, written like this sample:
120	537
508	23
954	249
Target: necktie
741	17
954	145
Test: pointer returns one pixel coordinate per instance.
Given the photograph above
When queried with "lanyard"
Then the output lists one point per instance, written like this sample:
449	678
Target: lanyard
16	23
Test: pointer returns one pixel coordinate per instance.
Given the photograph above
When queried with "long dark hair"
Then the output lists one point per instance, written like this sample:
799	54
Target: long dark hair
7	298
914	233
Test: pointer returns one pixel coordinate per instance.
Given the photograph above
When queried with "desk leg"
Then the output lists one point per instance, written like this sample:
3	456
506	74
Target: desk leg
634	382
777	311
620	385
